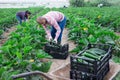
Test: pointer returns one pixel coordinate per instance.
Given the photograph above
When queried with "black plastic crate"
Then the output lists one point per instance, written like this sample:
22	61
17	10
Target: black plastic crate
92	67
58	51
79	75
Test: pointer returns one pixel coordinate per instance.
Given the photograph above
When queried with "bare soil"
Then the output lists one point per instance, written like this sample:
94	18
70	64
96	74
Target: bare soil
114	69
6	35
118	33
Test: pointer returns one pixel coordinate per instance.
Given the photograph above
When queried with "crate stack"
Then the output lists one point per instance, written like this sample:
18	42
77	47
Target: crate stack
57	51
84	69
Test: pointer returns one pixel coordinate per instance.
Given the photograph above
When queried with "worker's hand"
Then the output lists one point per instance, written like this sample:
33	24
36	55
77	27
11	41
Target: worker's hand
26	20
50	38
55	40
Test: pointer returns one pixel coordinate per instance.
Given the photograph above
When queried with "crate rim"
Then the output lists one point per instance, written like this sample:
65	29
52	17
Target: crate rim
110	49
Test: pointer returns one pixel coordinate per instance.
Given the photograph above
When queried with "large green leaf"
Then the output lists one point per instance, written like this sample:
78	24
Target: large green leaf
19	55
45	66
109	40
41	54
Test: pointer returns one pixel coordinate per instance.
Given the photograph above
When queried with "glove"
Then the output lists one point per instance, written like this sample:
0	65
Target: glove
55	40
26	20
50	38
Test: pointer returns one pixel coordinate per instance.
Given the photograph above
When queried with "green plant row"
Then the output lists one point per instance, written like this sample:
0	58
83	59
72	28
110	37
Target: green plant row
23	50
106	16
86	26
8	16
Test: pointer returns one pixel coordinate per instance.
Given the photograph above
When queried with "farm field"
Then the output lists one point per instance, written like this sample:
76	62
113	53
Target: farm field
23	50
8	18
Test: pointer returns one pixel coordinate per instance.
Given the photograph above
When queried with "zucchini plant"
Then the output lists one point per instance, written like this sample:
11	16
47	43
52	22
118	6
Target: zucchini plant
84	31
23	50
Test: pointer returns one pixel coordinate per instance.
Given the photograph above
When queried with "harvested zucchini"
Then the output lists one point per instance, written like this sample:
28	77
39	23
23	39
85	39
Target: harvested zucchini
96	51
87	59
80	60
89	55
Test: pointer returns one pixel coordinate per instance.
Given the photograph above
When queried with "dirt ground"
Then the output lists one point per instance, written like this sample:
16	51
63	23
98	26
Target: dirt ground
118	33
6	35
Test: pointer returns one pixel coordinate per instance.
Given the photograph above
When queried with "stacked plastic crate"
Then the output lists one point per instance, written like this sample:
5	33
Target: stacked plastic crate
57	51
87	69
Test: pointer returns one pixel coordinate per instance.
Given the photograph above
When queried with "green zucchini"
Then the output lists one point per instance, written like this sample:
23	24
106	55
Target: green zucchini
96	51
97	55
89	55
82	60
87	59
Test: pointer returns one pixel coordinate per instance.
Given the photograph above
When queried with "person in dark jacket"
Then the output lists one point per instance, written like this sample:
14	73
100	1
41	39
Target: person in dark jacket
23	16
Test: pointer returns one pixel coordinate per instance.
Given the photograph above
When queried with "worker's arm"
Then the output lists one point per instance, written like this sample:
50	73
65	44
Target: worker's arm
57	27
47	32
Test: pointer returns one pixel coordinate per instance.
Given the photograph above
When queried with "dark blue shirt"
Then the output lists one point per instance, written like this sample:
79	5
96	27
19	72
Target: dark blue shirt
22	15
